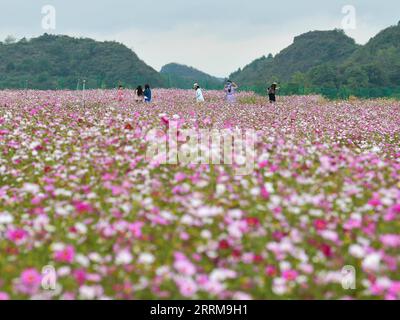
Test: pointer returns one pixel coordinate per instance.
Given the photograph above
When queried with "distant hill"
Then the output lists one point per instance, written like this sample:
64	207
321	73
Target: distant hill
50	62
319	61
307	51
375	64
181	76
330	60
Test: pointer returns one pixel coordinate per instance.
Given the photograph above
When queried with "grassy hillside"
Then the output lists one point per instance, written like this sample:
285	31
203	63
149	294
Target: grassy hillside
181	76
330	63
50	62
307	51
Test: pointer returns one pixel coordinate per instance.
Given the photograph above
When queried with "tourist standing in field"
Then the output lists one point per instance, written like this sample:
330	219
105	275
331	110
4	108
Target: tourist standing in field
199	93
120	93
272	90
230	89
147	93
139	95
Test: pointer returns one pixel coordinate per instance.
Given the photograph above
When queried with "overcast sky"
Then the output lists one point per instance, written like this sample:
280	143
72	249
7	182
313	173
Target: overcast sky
216	36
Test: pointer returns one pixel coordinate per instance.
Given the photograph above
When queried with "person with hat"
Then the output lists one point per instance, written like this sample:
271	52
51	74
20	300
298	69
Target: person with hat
230	89
199	93
272	90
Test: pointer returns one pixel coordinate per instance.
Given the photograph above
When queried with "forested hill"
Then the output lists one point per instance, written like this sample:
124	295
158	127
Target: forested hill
330	59
181	76
317	59
307	51
51	62
375	64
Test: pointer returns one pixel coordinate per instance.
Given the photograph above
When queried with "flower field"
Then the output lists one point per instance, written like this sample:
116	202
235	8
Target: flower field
78	193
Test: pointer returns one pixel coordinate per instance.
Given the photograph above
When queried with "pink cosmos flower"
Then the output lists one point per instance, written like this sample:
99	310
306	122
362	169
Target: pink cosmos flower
184	236
187	287
183	265
395	288
65	255
49	188
325	163
376	289
36	200
109	176
179	177
271	271
264	193
17	235
263	164
320	224
83	207
30	281
290	275
396	208
390	240
391	262
80	276
4	296
352	224
117	190
136	229
207	121
34	111
375	200
274	168
392	213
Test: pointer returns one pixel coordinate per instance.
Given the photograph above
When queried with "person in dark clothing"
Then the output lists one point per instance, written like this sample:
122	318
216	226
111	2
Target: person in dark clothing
139	94
147	93
272	90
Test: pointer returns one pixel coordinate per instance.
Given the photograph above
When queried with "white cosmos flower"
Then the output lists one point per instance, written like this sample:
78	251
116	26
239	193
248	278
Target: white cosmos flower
6	218
206	212
64	271
235	214
330	235
87	292
220	275
123	257
357	251
95	257
220	189
206	234
58	246
31	188
81	227
279	286
146	258
82	260
372	262
62	211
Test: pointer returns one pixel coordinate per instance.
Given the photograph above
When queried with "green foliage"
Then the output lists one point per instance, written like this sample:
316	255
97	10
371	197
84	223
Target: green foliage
57	62
307	51
183	77
330	63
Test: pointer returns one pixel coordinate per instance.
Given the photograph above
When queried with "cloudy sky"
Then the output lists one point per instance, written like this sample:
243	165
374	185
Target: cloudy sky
216	36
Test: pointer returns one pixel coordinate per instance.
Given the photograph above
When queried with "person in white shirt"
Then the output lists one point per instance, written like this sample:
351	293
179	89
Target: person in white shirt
199	93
